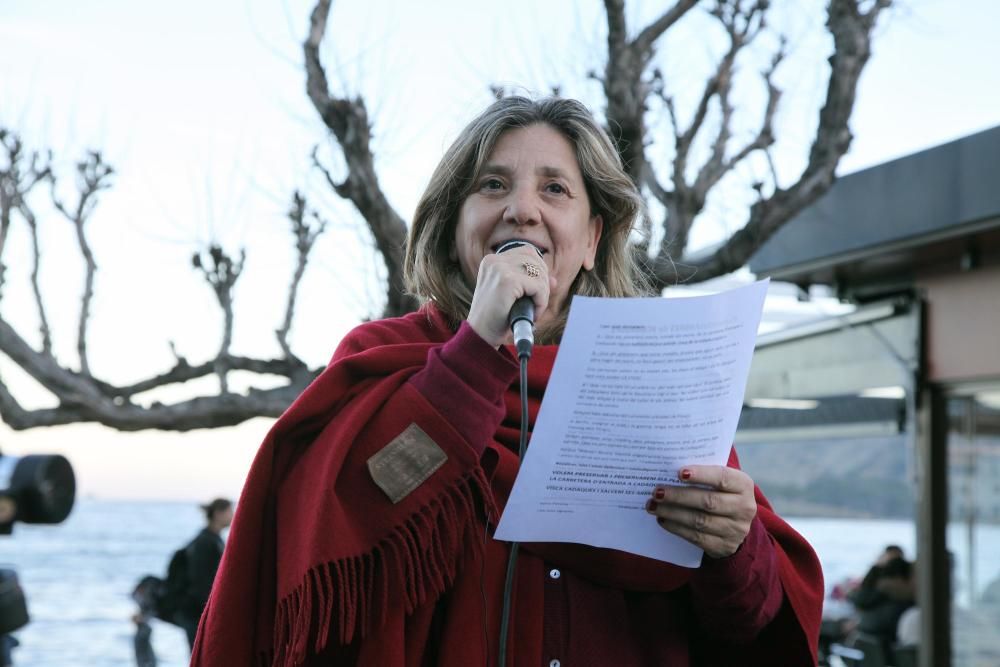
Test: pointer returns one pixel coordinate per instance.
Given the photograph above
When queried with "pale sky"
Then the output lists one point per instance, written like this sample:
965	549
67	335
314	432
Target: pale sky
201	108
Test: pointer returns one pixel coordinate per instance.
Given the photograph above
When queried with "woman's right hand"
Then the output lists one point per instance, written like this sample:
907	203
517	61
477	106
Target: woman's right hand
503	279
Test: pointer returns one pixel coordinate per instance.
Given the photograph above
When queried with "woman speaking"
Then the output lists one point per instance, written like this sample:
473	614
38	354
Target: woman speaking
364	532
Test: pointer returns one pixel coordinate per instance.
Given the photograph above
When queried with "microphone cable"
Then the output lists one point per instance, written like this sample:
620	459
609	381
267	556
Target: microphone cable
522	317
512	560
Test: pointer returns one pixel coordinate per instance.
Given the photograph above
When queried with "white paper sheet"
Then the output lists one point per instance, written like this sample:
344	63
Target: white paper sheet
640	388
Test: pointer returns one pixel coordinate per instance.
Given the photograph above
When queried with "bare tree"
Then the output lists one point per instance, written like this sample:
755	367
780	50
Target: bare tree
82	397
632	86
630	81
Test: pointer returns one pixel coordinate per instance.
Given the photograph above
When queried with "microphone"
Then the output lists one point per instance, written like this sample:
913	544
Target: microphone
522	314
522	322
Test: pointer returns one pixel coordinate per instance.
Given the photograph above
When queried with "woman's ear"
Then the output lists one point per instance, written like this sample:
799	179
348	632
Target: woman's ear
594	232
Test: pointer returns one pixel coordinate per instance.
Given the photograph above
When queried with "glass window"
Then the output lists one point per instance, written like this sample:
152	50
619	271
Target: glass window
973	536
849	491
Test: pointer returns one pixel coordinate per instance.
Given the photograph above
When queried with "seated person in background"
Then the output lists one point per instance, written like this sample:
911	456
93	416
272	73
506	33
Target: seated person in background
884	594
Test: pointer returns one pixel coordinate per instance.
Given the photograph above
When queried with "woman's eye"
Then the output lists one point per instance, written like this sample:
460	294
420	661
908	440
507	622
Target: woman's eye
555	188
491	184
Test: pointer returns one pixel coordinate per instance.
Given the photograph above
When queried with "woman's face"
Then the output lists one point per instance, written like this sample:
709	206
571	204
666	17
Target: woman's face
530	189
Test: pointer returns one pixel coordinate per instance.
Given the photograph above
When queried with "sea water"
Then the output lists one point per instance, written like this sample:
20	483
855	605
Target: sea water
77	576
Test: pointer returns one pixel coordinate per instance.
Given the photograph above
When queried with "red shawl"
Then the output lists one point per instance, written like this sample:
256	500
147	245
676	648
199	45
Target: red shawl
318	557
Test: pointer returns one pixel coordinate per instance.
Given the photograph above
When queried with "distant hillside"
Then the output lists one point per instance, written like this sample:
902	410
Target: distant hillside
864	478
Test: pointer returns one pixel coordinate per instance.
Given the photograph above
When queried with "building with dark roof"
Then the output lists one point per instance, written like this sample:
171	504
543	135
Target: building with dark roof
915	243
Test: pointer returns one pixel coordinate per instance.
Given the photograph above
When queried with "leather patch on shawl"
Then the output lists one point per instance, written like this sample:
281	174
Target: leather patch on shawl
404	464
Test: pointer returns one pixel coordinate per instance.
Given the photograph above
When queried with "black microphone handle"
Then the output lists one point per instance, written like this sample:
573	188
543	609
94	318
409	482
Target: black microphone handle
522	314
522	321
523	309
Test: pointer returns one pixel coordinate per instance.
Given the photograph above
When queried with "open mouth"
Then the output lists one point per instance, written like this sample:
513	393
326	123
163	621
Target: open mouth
516	243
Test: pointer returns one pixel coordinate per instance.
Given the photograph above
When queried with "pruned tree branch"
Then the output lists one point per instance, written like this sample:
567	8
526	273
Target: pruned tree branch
15	185
184	372
624	86
348	121
84	400
765	136
687	199
305	237
83	397
221	272
851	28
93	175
36	262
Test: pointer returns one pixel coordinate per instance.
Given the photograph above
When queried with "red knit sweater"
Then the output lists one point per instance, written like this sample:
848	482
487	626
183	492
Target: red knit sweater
322	568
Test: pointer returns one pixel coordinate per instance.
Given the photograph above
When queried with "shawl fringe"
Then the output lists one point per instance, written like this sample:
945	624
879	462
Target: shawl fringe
417	561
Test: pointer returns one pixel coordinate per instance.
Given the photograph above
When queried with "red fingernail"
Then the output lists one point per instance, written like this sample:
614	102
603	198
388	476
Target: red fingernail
685	474
659	494
650	505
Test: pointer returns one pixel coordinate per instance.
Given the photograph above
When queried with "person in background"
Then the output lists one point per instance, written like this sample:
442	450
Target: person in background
142	643
7	646
364	532
204	553
887	591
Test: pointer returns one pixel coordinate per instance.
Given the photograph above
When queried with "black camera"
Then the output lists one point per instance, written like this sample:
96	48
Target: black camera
33	489
39	488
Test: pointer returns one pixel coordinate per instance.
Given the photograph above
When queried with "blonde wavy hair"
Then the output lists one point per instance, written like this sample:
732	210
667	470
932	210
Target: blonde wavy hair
429	272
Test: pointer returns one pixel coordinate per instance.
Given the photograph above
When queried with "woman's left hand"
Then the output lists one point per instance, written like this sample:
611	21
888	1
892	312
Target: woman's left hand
714	515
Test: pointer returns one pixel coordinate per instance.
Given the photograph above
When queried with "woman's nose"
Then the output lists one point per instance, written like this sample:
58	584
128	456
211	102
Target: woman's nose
522	209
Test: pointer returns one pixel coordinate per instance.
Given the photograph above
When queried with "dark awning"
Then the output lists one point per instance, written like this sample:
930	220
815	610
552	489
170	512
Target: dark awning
879	221
826	417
